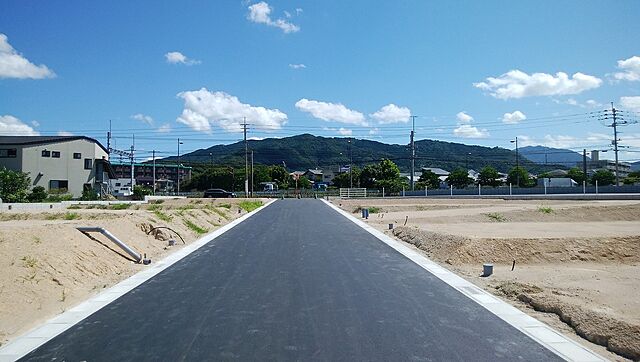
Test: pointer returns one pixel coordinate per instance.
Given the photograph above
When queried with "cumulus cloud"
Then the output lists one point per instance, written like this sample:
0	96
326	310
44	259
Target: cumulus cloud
466	130
261	13
463	117
179	58
143	118
631	103
203	109
513	118
297	66
165	128
331	112
12	126
392	114
518	84
374	131
14	65
345	132
630	69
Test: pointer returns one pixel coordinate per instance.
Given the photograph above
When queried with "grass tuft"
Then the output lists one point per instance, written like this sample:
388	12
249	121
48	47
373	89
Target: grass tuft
226	206
249	206
29	261
197	229
545	210
71	216
496	216
162	216
120	206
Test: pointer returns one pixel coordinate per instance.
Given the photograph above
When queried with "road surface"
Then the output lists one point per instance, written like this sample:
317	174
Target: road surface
296	281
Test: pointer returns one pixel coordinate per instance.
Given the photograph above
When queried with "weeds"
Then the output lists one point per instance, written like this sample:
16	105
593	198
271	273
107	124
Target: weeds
154	207
36	240
71	216
195	201
74	207
197	229
186	207
372	209
249	206
545	210
7	217
496	216
29	262
226	206
162	216
120	206
157	202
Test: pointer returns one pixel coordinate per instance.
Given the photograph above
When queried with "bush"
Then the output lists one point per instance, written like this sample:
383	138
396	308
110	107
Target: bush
13	185
38	194
57	197
89	195
139	192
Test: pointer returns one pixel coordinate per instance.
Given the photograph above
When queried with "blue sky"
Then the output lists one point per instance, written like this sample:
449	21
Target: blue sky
473	72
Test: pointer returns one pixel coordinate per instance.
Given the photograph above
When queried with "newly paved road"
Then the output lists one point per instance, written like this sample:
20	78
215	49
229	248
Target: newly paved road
297	281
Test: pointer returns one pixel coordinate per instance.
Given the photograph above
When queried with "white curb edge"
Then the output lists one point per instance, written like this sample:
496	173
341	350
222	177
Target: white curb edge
41	334
536	330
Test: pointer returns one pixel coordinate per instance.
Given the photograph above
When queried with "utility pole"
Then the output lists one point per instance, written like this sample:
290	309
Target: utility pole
154	171
178	169
109	137
246	158
413	150
251	173
584	162
517	163
614	114
132	161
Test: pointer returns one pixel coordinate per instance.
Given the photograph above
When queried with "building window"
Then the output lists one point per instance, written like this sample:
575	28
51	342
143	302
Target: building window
88	164
8	152
77	155
46	153
55	154
59	185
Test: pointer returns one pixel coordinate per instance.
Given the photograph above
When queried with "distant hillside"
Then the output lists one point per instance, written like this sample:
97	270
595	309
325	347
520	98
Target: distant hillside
547	155
635	166
308	151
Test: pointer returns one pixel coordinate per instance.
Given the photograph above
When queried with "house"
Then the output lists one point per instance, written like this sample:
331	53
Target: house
59	163
313	175
327	176
442	174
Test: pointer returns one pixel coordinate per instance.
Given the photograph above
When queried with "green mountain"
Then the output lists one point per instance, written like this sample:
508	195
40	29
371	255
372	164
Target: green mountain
307	151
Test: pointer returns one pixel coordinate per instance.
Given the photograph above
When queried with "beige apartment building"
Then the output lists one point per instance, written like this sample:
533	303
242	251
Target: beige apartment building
74	163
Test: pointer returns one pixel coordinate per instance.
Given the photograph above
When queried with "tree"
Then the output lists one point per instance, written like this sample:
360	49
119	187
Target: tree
428	179
38	194
139	192
459	178
388	177
632	179
13	185
489	176
604	178
303	182
280	176
368	176
576	175
518	176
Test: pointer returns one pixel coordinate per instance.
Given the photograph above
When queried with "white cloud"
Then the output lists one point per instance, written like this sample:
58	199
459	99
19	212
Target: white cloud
14	65
631	103
177	57
374	131
572	102
35	123
630	69
254	138
331	112
591	103
203	108
297	66
518	84
469	131
64	133
345	132
165	128
143	118
463	117
11	126
513	118
392	114
261	13
466	130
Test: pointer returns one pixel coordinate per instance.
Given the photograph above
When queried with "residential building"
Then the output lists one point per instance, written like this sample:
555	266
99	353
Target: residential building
596	164
313	175
59	163
166	174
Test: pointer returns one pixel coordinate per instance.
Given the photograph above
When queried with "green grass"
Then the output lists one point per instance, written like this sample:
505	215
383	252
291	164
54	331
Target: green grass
162	216
374	210
197	229
74	207
71	216
195	201
249	206
157	202
496	216
220	212
186	207
120	206
226	206
154	207
545	210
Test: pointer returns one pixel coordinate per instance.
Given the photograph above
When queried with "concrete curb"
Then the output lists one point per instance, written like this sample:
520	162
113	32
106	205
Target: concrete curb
536	330
38	336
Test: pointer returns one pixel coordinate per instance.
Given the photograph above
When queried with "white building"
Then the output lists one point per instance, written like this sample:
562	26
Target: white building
71	163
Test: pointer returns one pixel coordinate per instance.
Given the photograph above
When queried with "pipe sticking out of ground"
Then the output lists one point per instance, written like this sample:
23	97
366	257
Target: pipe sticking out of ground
94	229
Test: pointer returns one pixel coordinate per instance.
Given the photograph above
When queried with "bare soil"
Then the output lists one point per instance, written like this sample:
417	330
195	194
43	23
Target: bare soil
577	263
48	266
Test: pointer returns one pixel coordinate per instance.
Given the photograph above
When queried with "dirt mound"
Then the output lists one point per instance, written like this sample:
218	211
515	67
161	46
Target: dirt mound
460	250
617	336
563	214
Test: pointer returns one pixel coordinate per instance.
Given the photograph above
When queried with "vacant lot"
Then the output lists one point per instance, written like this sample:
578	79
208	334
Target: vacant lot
48	266
577	263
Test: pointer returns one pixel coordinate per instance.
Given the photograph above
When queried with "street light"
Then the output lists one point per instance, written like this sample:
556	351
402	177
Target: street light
178	178
517	162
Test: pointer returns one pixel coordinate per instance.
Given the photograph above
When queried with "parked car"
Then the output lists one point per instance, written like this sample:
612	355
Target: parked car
219	193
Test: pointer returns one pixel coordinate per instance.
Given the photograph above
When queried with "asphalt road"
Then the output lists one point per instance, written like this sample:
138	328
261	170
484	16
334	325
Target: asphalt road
297	281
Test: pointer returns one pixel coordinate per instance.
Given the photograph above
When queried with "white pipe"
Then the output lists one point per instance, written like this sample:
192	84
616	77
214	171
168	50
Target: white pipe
134	254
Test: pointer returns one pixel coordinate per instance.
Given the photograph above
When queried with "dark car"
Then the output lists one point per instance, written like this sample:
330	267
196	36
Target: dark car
218	193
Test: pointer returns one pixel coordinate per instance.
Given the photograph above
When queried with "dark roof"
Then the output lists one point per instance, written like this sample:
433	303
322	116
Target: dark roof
34	140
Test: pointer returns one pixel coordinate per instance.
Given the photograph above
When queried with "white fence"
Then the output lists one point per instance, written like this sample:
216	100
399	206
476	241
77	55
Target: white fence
347	192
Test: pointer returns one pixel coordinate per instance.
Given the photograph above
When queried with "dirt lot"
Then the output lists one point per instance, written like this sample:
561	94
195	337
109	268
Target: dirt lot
48	266
577	263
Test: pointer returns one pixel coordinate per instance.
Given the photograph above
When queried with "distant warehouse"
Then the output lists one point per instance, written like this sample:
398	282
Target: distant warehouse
71	163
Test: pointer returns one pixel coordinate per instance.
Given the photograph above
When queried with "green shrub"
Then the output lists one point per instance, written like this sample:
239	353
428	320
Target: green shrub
89	195
38	194
13	185
139	192
71	216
